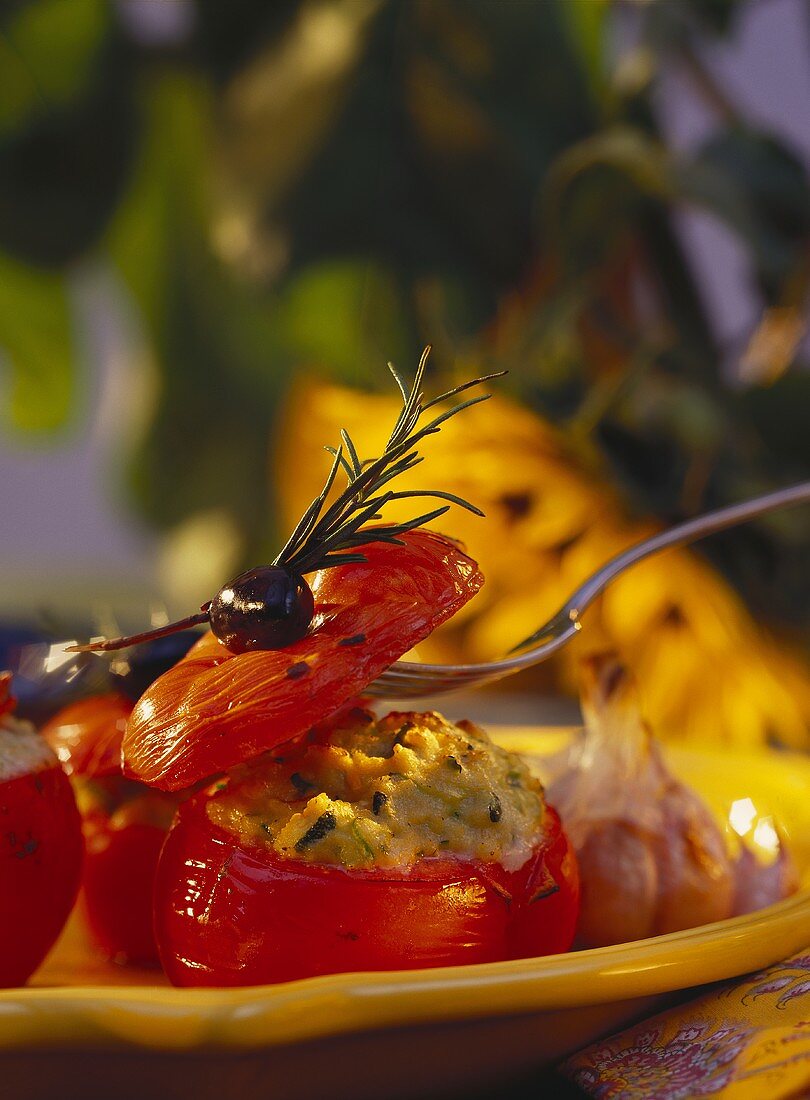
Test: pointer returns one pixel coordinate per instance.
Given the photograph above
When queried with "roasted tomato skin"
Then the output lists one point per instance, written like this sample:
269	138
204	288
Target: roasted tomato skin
41	852
118	881
86	735
124	825
230	915
215	708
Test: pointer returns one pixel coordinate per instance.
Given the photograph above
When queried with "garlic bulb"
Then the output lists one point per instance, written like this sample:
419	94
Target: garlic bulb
758	884
652	858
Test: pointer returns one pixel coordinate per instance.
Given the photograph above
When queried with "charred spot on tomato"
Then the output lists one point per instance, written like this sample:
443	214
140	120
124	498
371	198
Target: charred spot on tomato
547	886
301	785
544	892
356	639
296	671
497	888
27	848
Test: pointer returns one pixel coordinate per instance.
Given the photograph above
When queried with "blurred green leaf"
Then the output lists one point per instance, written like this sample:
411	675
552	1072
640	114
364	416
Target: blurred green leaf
434	161
344	316
643	159
593	193
780	414
206	445
36	346
47	50
166	204
585	25
67	73
331	184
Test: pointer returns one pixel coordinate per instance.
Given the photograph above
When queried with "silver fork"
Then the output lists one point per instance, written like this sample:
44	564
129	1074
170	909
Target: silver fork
407	679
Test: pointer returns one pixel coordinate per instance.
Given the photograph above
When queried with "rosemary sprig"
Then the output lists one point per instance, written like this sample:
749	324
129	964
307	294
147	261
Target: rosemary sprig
329	536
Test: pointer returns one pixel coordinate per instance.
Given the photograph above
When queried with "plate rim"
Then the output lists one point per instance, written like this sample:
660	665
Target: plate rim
158	1018
334	1004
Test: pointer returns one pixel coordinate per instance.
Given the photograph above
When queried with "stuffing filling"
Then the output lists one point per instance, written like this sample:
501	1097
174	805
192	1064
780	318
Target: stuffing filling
386	793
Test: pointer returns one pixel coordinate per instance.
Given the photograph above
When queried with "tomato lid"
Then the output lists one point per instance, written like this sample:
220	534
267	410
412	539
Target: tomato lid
215	709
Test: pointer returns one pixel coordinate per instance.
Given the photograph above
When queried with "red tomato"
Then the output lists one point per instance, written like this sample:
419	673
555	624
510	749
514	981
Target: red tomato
125	825
230	914
87	735
119	876
40	850
215	708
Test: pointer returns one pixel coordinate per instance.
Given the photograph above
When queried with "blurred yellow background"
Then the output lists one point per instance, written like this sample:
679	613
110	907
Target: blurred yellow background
218	222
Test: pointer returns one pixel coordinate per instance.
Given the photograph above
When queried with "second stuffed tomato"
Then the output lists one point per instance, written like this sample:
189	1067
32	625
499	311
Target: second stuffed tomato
124	825
374	845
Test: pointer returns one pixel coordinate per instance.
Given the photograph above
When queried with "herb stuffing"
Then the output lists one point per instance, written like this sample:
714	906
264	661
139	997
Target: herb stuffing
386	793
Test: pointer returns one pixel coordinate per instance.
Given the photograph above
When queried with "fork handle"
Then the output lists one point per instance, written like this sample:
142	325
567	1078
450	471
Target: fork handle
689	531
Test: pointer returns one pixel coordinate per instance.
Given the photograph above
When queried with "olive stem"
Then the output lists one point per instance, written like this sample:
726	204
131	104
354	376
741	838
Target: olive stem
106	644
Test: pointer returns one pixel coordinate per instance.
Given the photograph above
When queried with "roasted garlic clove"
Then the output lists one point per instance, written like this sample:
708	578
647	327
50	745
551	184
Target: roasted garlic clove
652	858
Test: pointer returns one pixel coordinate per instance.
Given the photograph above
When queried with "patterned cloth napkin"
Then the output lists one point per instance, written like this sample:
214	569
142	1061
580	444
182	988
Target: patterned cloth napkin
747	1040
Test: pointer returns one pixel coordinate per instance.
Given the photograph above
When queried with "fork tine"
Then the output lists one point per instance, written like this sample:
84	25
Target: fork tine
405	679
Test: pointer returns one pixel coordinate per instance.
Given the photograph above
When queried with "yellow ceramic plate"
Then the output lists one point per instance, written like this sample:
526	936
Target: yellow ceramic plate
120	1032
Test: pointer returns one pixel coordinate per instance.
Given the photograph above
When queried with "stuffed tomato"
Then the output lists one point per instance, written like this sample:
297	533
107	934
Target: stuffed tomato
374	845
40	846
337	842
124	824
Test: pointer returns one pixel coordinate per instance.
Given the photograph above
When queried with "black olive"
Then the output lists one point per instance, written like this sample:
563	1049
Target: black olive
132	675
264	608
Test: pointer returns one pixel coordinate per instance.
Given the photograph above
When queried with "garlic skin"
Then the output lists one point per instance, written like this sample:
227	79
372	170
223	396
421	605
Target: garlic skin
652	858
758	884
618	884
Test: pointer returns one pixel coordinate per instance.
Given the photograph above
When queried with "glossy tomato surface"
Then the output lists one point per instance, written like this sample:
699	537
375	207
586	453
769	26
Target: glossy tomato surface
229	914
40	867
119	877
87	735
215	709
124	825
